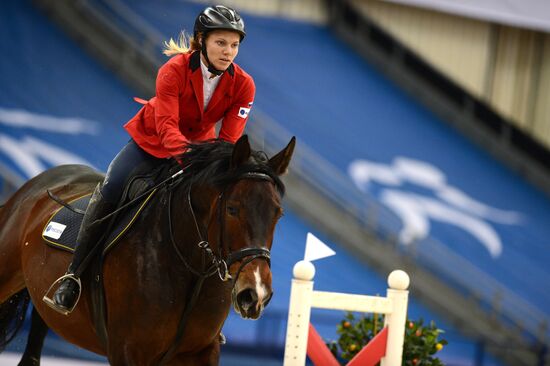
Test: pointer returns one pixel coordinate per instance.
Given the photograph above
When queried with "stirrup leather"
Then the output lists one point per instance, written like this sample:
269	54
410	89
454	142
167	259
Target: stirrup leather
49	301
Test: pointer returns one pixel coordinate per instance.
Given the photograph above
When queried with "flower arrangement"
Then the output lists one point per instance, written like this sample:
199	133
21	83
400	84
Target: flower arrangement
422	341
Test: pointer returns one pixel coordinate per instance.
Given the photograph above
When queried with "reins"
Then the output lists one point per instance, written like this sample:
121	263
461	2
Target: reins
202	276
94	250
127	204
218	264
203	244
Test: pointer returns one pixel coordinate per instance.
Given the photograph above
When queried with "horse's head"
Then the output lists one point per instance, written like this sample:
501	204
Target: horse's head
252	208
238	207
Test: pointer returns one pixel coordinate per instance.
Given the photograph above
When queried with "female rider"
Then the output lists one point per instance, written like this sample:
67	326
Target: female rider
197	88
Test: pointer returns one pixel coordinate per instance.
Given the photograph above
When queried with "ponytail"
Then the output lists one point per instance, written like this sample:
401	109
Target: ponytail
184	44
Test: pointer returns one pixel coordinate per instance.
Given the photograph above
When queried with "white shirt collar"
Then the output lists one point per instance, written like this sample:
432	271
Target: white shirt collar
207	74
208	84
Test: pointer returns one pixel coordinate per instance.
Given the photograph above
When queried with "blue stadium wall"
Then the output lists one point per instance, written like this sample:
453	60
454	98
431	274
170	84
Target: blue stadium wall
57	104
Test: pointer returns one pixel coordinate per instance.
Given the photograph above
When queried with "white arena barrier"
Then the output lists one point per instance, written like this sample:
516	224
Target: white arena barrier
303	298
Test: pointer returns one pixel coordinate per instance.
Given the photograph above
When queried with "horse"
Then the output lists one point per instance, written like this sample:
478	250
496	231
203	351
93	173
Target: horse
200	245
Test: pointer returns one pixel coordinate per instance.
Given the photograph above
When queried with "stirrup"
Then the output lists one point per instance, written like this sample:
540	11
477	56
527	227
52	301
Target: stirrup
49	301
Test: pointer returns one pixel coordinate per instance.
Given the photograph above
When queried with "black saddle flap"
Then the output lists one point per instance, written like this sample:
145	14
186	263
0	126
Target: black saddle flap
62	229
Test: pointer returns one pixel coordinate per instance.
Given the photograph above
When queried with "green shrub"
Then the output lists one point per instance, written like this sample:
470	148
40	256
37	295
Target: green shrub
421	341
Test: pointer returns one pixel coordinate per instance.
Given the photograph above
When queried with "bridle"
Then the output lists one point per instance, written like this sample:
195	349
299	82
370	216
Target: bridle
244	255
218	264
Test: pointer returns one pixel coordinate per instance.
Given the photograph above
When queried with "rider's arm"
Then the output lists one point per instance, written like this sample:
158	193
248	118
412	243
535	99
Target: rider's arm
168	89
236	116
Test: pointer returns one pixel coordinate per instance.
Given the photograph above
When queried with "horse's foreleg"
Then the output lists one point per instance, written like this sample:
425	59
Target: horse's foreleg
35	341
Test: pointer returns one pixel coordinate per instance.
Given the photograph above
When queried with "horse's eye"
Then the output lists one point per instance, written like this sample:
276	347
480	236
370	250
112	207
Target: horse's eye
233	211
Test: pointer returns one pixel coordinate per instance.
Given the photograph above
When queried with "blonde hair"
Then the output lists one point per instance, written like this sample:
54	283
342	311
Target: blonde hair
184	44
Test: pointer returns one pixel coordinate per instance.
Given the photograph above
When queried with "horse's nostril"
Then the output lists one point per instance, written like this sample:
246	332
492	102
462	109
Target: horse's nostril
247	297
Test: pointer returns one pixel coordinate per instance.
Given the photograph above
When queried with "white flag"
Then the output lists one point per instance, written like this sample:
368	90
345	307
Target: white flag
316	249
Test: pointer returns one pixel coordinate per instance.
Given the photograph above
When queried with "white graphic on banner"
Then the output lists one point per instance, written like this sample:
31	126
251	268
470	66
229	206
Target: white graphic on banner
20	118
29	154
33	155
449	204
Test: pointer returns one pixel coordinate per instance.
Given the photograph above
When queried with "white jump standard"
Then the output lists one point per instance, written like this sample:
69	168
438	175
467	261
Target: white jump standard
303	298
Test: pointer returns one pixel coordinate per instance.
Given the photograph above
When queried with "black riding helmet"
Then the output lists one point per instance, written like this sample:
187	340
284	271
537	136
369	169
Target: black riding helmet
218	17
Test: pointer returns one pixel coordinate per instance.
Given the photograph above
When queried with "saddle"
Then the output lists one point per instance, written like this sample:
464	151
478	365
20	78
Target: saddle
61	230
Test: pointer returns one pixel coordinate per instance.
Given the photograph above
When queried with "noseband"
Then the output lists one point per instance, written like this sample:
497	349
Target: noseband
218	264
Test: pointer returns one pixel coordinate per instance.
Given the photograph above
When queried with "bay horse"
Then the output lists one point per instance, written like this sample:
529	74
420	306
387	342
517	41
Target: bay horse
213	224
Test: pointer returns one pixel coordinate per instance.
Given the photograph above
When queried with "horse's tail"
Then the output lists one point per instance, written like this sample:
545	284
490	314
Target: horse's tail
12	315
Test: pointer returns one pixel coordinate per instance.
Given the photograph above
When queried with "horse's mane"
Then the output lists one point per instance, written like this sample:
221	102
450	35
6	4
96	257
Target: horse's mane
210	163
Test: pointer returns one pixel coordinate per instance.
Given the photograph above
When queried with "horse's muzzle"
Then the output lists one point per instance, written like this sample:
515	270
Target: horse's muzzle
248	305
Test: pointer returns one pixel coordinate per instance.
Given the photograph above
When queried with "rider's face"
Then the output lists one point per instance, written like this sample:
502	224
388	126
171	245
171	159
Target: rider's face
222	47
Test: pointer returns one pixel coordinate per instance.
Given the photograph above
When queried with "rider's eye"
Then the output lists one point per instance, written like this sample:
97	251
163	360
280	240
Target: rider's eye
233	211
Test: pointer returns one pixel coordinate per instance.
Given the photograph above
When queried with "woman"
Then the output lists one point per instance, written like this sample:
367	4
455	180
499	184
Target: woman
198	87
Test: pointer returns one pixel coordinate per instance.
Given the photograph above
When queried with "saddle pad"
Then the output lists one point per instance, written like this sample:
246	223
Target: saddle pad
61	230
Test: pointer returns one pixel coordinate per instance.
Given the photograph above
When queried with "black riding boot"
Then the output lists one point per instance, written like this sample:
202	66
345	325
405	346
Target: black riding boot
68	293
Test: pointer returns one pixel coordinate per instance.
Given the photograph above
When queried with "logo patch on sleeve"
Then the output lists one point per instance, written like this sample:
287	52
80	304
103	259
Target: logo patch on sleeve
54	230
243	112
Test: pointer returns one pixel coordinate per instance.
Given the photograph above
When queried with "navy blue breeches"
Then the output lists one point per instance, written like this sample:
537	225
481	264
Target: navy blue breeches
131	160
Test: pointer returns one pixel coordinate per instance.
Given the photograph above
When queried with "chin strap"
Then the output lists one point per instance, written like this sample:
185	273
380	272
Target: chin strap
211	68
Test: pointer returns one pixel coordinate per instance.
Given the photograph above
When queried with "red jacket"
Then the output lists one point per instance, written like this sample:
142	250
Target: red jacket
176	115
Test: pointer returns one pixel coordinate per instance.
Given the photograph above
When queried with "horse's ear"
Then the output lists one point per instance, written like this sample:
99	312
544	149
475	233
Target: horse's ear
241	152
279	163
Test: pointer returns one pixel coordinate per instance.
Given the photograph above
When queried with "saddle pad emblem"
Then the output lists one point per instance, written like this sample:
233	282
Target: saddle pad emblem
54	230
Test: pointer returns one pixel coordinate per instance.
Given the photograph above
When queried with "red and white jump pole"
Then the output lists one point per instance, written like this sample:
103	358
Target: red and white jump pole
303	298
